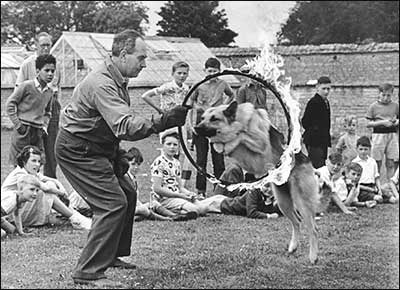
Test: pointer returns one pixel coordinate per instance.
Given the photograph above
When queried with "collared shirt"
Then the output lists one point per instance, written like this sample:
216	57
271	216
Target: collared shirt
210	94
370	169
171	94
252	93
39	87
336	183
27	71
100	111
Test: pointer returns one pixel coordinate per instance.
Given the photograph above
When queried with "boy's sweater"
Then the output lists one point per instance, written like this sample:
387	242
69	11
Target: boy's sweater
27	105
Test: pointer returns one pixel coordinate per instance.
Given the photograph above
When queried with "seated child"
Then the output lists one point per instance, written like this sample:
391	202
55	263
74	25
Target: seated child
330	174
370	185
166	180
351	187
28	187
254	203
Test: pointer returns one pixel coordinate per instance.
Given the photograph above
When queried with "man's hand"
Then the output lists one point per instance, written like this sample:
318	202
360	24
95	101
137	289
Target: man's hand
172	118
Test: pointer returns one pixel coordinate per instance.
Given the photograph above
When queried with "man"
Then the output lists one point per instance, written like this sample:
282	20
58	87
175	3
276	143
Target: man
27	71
87	146
317	123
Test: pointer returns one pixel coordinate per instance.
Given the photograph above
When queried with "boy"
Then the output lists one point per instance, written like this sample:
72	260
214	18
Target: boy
351	187
383	117
172	94
317	123
370	185
29	108
330	174
167	188
28	187
208	94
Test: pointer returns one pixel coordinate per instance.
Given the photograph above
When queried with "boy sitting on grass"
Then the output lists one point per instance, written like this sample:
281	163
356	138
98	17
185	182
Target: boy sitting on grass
28	188
370	184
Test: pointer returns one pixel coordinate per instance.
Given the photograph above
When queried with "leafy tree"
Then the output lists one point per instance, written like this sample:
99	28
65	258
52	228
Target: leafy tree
199	19
21	20
316	22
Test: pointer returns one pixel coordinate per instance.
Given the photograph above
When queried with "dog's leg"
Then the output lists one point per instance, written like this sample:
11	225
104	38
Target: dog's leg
285	204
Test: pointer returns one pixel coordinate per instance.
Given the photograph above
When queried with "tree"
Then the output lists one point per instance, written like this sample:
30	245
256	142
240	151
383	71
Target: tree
21	20
196	19
316	22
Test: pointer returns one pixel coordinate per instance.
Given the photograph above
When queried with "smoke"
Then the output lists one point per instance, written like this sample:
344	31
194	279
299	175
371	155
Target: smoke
257	22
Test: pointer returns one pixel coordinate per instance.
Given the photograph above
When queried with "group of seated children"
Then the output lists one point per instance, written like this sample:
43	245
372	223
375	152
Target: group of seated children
29	198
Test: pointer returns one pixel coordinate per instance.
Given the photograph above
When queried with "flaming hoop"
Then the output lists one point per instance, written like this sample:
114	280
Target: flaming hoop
266	69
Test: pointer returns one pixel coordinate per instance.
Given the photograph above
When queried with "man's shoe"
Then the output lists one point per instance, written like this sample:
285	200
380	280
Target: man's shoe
118	263
99	283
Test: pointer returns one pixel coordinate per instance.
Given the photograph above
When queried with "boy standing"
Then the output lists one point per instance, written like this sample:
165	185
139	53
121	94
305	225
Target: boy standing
317	123
383	117
29	108
208	94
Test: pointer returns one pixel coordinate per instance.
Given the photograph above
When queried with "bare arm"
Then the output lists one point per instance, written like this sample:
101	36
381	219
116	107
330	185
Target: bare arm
148	98
163	191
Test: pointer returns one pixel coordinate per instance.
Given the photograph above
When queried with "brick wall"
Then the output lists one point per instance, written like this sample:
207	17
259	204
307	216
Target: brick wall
350	100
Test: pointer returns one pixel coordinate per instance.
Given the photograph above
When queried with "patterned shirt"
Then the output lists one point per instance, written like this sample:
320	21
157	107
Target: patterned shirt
171	94
169	171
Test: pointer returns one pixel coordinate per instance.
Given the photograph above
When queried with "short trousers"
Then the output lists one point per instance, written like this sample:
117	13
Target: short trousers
177	205
385	144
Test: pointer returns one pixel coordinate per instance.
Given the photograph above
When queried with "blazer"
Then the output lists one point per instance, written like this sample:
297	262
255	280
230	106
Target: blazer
316	122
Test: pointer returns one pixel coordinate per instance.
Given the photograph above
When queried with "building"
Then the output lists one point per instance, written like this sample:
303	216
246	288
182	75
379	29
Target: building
355	70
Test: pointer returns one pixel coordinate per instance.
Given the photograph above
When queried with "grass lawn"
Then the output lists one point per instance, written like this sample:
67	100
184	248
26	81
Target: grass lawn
216	251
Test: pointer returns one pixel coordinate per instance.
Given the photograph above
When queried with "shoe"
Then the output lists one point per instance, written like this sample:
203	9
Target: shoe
118	263
392	200
272	215
370	203
80	222
191	215
99	283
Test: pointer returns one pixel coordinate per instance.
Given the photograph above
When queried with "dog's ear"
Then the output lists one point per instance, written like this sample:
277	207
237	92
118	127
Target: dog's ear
230	112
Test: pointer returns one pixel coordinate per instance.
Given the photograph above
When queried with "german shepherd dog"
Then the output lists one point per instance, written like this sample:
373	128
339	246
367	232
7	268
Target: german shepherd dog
247	135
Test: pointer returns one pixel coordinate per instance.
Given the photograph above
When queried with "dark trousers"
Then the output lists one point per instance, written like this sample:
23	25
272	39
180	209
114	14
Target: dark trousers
32	136
89	168
49	167
202	145
317	155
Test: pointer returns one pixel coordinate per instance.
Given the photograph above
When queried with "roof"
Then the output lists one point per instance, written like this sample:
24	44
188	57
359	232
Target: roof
162	53
346	64
333	48
11	61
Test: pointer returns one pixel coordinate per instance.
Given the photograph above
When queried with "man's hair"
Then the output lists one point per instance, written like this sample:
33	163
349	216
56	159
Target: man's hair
386	87
134	153
364	141
25	153
213	62
26	179
323	80
335	157
172	134
125	40
354	166
42	34
179	64
44	59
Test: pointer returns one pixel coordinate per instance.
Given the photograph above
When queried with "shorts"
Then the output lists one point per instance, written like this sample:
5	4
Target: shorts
178	205
385	144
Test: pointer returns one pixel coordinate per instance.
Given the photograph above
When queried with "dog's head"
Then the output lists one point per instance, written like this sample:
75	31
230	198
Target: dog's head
228	126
